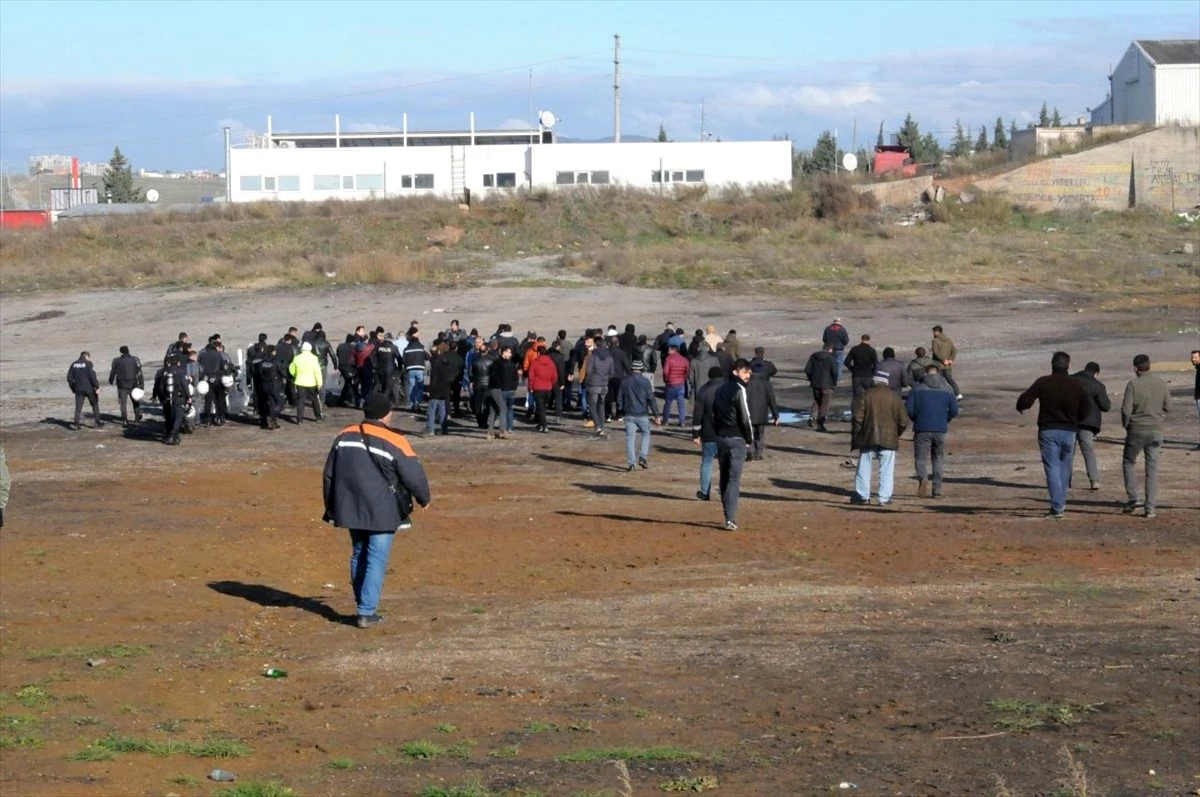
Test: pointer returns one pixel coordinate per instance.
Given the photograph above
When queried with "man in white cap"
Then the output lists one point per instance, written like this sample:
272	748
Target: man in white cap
877	421
309	378
837	339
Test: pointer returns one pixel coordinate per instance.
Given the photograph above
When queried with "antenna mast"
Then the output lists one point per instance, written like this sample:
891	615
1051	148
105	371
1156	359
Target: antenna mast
617	88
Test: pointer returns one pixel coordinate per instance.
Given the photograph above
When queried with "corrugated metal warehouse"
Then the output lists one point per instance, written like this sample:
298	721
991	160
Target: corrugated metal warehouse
1156	82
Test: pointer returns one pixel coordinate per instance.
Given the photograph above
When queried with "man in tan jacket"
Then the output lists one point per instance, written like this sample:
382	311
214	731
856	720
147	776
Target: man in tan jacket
944	354
877	421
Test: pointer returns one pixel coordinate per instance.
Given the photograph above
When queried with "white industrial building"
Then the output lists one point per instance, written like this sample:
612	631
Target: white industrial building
1157	83
480	163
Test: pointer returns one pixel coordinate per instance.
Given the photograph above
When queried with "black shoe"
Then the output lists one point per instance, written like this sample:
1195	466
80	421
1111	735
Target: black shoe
702	495
643	464
99	424
857	500
631	468
368	620
1129	506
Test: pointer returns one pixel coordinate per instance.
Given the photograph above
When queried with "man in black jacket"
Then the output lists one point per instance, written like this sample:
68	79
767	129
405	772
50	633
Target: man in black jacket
371	479
703	432
126	374
735	434
862	361
1062	404
81	378
345	364
760	395
821	371
836	338
269	380
1089	427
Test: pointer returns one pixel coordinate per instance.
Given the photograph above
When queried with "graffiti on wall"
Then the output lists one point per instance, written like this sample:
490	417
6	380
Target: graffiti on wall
1057	184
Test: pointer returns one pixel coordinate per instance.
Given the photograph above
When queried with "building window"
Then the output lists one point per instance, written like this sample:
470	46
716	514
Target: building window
564	178
289	183
695	175
656	176
348	182
599	178
677	177
489	181
406	181
253	183
268	183
326	182
506	179
369	182
422	181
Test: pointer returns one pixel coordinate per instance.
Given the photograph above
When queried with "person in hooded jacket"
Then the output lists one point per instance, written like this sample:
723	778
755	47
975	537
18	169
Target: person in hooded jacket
622	367
126	374
598	370
1089	427
931	406
345	364
543	379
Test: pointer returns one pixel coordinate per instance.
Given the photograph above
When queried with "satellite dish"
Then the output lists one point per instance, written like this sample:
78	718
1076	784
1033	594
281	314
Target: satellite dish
152	195
546	119
849	161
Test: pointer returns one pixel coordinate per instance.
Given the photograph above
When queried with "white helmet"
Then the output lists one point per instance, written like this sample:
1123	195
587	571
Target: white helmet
202	388
227	380
191	413
137	394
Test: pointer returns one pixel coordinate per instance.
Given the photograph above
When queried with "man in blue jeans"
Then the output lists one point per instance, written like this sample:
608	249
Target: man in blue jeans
371	479
735	434
1062	406
703	433
636	400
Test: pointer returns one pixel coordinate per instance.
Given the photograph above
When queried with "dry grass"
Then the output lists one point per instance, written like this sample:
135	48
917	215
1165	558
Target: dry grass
819	243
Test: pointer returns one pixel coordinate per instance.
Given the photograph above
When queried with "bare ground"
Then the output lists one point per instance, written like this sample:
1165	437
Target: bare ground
550	603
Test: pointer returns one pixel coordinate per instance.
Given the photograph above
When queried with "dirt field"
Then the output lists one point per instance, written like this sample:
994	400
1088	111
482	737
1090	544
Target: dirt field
551	612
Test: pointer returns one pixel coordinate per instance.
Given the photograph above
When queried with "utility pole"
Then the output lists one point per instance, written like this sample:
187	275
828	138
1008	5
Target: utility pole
616	88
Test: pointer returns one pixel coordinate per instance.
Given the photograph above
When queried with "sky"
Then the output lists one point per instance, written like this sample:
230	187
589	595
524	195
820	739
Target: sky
161	79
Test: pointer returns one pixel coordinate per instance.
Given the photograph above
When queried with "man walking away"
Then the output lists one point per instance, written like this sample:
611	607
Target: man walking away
918	365
1089	427
345	363
81	378
835	338
931	406
675	376
862	362
877	421
126	374
822	374
542	380
760	395
1143	410
269	381
944	354
704	434
1062	404
442	373
599	370
172	389
735	434
638	406
896	373
308	377
370	481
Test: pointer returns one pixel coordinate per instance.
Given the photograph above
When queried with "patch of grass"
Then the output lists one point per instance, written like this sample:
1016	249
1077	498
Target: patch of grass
1022	716
8	742
191	781
422	750
94	753
445	727
538	727
508	751
83	722
116	651
252	788
641	713
697	784
341	763
476	610
219	747
631	754
469	789
33	696
19	720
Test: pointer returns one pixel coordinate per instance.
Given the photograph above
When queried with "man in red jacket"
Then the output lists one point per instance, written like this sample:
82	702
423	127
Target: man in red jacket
675	374
543	378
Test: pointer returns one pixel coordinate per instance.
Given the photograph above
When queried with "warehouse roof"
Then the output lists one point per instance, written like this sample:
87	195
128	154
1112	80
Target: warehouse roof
1171	51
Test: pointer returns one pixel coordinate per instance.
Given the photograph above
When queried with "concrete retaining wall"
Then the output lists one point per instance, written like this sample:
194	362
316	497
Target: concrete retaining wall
898	193
1159	169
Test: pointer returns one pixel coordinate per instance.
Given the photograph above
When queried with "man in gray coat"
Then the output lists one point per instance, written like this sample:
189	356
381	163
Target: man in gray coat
1143	410
1089	427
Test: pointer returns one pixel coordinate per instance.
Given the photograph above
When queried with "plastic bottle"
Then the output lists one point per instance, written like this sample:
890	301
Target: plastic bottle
275	672
223	775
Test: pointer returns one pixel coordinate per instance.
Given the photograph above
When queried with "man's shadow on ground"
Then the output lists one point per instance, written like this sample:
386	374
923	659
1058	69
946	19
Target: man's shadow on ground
269	596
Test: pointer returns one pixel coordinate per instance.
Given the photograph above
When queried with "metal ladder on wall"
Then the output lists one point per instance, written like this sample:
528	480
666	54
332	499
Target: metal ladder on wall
458	172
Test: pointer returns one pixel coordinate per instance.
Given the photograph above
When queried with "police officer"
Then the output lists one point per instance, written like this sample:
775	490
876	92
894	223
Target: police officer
126	374
345	365
81	378
171	390
385	364
254	355
268	388
212	368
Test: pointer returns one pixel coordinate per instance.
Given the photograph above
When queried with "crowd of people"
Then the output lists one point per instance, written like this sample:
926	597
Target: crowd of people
608	376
